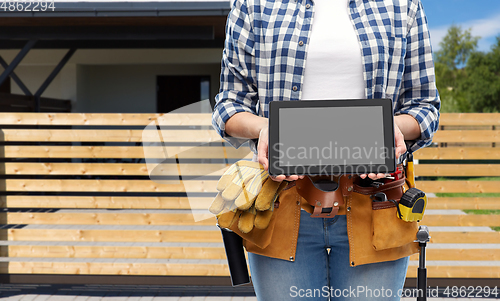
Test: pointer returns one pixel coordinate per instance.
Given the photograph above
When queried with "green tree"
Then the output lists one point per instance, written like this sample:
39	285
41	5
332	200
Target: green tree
455	49
481	86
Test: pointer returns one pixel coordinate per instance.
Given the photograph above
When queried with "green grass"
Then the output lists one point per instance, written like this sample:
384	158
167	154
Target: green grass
467	195
468	178
484	212
495	229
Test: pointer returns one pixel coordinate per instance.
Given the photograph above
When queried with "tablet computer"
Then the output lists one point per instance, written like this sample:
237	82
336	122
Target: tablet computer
330	137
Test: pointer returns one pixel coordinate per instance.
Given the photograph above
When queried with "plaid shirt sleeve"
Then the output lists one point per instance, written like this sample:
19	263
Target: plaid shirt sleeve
238	84
418	95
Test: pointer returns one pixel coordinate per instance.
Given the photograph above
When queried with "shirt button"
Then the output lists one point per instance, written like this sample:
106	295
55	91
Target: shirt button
295	88
301	43
308	6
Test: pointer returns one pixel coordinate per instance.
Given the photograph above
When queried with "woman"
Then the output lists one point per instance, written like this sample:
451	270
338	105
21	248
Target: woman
294	50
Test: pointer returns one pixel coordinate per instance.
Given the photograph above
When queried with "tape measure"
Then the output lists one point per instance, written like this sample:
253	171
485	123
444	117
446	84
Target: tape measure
412	205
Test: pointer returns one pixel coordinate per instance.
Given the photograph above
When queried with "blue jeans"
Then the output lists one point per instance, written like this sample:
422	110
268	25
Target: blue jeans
318	275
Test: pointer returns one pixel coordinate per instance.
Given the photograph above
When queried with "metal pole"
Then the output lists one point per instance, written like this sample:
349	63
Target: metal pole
422	239
18	81
51	77
19	57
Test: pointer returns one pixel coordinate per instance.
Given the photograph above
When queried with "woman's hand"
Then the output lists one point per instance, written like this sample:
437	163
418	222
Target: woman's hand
400	150
263	156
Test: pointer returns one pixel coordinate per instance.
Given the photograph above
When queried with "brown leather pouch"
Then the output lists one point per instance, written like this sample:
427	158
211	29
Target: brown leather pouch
388	231
324	194
259	237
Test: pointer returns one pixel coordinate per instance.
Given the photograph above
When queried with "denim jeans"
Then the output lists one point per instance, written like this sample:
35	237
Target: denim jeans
321	268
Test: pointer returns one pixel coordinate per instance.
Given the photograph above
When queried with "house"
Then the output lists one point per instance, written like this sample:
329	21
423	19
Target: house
110	56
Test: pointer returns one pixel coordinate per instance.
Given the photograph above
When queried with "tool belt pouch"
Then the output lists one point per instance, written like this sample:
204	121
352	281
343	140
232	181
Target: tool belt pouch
388	230
259	237
324	194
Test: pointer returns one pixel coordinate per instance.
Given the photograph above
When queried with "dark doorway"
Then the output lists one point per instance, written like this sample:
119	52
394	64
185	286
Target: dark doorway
5	87
176	91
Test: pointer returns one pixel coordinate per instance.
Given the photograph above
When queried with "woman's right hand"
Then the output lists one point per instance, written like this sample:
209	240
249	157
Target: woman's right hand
263	156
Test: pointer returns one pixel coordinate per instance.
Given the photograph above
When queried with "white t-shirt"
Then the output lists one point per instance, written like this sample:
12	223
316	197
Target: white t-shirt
333	64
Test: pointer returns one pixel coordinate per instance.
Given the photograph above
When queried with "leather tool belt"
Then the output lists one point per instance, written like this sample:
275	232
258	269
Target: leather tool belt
325	193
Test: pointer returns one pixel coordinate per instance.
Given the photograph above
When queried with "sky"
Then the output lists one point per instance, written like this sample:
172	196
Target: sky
483	16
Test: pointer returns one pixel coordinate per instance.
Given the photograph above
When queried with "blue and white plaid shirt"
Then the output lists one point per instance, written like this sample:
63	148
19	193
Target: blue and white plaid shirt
264	61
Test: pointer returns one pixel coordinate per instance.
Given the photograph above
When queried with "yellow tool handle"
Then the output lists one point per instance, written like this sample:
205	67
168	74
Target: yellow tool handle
410	171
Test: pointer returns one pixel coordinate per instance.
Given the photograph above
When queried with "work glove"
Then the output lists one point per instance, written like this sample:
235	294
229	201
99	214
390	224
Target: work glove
245	192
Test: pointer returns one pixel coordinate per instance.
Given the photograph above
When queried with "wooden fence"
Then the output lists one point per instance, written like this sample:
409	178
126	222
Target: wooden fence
77	199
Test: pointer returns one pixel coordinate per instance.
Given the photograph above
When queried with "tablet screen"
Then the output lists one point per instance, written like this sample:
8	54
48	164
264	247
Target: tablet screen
331	137
343	135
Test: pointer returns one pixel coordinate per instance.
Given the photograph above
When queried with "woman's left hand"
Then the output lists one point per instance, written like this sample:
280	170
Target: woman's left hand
400	150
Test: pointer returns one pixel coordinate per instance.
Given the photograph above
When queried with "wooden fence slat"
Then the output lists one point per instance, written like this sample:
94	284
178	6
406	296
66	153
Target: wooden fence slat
178	269
446	119
464	203
208	219
200	169
49	201
123	169
109	186
69	251
119	169
465	237
200	136
194	236
183	152
101	268
209	186
110	235
460	255
104	119
463	136
143	219
459	186
457	170
457	271
458	153
38	151
469	119
469	220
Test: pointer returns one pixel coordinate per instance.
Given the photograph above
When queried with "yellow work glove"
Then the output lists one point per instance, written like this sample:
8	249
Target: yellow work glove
245	192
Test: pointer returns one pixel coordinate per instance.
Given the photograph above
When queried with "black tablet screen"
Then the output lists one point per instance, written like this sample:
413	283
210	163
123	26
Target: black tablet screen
337	136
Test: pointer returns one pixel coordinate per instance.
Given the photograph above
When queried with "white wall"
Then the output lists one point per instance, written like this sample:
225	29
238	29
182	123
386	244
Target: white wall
63	85
131	88
113	80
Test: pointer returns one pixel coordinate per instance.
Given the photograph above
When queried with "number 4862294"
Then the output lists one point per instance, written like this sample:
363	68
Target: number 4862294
471	292
27	6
